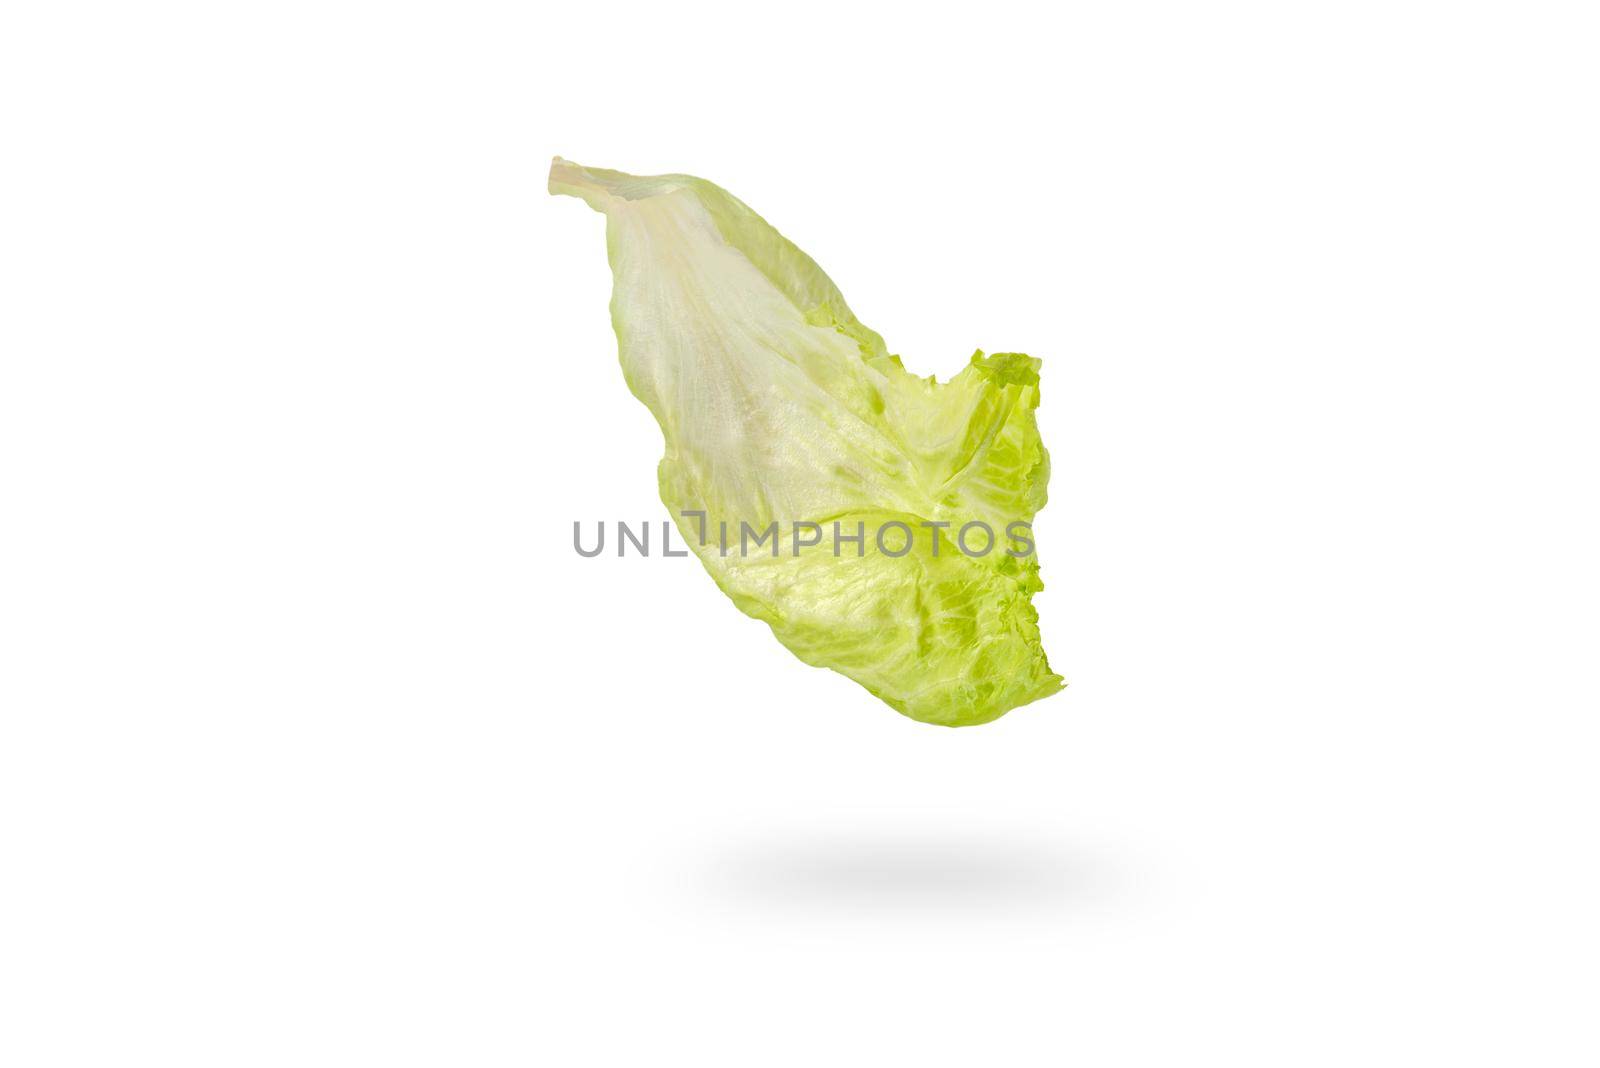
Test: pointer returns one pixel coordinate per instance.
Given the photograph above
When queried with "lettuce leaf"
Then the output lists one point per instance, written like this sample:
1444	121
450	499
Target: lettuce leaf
779	406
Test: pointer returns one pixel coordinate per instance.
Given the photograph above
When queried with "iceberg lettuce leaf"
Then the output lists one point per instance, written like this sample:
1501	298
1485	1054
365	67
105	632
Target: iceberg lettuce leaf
778	406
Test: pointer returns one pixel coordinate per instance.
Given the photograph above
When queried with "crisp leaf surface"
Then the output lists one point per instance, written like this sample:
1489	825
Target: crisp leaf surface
778	406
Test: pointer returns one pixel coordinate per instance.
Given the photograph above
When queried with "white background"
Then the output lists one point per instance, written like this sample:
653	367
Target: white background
321	746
